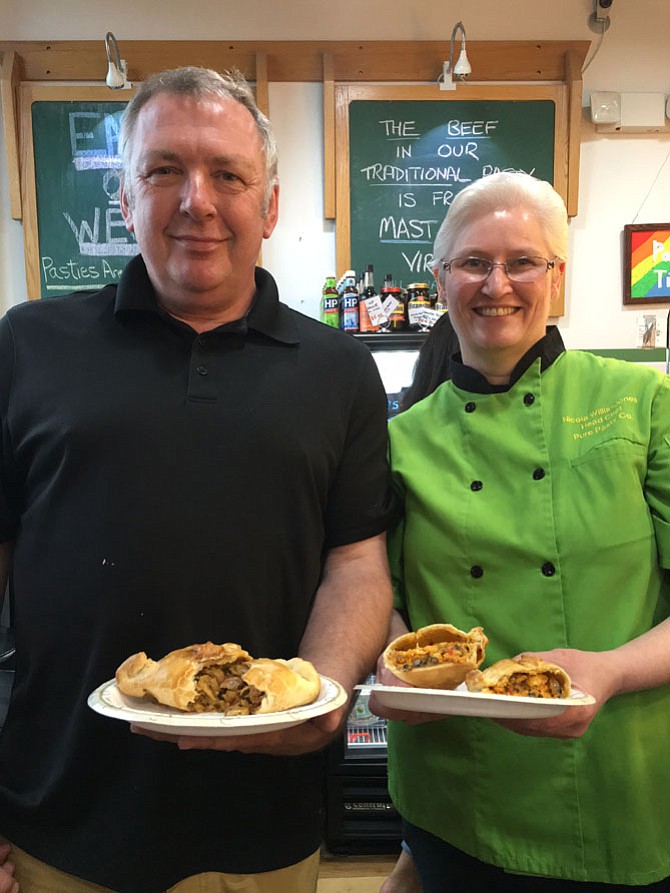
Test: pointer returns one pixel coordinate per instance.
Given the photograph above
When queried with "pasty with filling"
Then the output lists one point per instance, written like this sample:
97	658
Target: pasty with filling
436	656
221	678
526	676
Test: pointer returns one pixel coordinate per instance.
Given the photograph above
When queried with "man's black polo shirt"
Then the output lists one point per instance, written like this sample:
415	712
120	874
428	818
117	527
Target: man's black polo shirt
165	488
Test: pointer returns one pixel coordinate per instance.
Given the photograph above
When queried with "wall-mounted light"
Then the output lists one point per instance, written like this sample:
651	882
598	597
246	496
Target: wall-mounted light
117	69
461	69
629	112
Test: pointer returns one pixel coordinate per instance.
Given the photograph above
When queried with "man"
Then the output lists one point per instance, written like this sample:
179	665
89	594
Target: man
183	459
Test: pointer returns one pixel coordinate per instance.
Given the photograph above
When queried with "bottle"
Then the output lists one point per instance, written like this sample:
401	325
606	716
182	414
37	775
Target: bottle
392	306
330	305
369	304
349	313
418	301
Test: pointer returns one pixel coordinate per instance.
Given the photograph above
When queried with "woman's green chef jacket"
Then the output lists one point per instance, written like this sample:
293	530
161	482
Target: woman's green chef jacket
541	513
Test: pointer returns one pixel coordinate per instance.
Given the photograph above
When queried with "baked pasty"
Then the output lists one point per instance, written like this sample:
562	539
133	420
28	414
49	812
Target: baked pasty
436	656
526	676
221	678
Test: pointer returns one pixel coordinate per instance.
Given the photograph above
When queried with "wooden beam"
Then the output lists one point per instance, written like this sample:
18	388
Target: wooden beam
358	61
328	138
262	90
573	79
10	76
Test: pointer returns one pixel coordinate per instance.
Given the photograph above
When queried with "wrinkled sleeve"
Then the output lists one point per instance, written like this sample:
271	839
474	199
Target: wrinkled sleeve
657	483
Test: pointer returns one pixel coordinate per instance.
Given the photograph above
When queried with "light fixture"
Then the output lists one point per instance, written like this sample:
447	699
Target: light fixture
117	69
629	112
461	69
605	107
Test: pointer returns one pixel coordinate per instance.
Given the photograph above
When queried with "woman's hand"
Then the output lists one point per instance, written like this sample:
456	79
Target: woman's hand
383	676
386	677
594	673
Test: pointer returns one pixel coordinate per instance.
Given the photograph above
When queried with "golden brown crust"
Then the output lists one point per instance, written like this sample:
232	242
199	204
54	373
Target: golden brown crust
223	678
436	656
285	683
525	676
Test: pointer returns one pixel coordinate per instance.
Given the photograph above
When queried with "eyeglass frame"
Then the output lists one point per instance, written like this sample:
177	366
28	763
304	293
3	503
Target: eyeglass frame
446	265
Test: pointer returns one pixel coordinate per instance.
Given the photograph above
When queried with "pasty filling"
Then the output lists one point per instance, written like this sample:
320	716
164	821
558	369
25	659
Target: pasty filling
222	689
539	685
430	655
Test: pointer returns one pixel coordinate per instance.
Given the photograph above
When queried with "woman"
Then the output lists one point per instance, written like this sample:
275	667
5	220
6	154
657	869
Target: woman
537	504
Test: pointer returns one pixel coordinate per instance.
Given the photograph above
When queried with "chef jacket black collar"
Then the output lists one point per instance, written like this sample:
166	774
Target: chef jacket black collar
547	349
135	295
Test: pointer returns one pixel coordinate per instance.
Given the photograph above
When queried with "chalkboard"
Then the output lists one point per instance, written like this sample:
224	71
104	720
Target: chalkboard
75	236
404	153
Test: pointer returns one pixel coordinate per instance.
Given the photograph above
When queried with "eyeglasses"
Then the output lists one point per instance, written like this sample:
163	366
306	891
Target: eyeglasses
478	269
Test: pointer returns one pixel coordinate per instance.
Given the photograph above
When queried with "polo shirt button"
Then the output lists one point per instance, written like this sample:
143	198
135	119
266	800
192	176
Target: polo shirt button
476	571
529	399
538	474
470	407
548	569
202	341
201	370
476	485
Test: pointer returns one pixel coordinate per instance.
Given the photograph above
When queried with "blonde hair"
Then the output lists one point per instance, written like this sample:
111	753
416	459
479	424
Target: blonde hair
500	192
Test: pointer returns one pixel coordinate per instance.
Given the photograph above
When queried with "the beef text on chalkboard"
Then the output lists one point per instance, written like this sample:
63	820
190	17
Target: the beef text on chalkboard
408	159
83	241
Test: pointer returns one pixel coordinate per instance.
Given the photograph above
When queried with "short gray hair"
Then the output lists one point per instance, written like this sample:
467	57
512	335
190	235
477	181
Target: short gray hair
201	83
500	192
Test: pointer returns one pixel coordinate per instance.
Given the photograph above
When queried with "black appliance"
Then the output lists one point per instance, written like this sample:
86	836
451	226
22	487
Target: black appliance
6	670
360	817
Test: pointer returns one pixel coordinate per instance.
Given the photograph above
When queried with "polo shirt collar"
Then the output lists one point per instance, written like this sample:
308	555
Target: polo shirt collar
267	315
547	349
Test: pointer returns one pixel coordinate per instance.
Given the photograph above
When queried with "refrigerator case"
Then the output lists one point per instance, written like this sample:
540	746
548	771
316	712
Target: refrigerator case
360	817
395	354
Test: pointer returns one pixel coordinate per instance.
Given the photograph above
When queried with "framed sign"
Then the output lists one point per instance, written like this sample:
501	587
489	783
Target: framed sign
646	263
404	151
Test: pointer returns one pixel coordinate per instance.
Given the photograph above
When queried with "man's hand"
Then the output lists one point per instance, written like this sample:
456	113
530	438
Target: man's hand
293	741
7	882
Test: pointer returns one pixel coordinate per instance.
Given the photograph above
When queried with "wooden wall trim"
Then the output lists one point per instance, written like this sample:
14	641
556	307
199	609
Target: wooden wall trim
328	138
573	78
262	87
365	61
10	76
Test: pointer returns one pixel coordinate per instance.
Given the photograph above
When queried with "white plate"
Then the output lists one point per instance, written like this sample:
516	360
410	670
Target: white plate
108	700
461	702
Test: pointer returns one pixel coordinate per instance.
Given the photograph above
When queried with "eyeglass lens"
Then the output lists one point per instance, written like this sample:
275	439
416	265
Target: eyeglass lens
518	269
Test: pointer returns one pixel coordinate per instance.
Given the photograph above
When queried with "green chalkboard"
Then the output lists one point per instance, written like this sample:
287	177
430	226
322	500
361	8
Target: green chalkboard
82	242
408	158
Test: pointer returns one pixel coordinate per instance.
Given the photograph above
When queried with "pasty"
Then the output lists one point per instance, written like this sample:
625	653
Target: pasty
526	676
221	678
436	656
